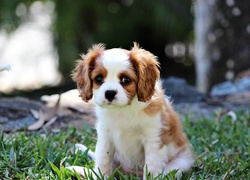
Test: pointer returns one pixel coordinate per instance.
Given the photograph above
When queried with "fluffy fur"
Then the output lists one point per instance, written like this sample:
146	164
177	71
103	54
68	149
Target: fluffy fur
137	126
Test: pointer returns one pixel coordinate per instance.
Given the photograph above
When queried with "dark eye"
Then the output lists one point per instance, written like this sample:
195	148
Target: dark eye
125	80
99	79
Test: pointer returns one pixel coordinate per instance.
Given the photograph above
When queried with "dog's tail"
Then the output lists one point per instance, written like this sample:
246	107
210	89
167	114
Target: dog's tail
83	148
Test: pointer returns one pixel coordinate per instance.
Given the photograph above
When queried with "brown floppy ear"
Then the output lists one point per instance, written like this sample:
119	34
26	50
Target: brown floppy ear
82	72
146	67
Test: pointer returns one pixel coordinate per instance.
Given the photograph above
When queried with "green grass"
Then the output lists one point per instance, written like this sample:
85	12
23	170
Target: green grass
221	147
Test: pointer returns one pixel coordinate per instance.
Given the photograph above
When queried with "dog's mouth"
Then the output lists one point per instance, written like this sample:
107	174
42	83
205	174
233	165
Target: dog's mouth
111	105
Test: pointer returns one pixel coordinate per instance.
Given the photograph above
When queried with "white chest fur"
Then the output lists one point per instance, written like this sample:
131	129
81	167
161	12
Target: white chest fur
128	130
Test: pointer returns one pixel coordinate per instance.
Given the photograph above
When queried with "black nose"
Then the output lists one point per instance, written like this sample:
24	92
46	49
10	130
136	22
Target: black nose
110	95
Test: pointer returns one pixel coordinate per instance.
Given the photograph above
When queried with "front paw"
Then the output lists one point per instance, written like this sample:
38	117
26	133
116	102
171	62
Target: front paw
102	172
150	172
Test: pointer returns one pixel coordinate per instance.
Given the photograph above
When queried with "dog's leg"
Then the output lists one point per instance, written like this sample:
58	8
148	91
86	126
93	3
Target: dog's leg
104	153
155	158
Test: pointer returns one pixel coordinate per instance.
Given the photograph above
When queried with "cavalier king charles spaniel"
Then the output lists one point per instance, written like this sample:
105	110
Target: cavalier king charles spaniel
137	127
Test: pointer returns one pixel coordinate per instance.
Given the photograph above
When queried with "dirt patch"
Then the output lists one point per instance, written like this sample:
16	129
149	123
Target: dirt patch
16	114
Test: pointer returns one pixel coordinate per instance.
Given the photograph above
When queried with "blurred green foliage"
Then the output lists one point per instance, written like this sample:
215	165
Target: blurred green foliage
80	23
9	20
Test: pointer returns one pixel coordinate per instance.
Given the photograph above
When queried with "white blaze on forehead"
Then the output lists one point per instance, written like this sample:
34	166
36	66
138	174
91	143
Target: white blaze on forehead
115	61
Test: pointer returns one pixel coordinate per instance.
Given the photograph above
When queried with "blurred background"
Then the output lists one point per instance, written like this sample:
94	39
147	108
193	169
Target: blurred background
204	42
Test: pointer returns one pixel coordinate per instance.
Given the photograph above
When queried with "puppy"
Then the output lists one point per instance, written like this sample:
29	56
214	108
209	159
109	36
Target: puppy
136	125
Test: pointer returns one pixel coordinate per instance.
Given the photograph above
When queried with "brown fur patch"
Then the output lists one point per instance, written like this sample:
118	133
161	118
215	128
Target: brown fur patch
146	67
98	70
156	103
172	128
82	73
130	88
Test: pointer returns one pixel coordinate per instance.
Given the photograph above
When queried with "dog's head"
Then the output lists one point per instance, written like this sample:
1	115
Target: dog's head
116	76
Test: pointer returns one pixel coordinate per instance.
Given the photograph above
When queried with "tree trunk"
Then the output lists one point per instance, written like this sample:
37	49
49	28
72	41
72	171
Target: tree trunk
222	48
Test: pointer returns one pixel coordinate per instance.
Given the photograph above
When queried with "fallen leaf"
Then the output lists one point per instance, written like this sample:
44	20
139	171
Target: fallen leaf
35	114
38	124
45	116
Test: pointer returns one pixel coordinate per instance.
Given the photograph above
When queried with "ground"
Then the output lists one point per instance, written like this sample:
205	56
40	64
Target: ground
17	113
218	131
